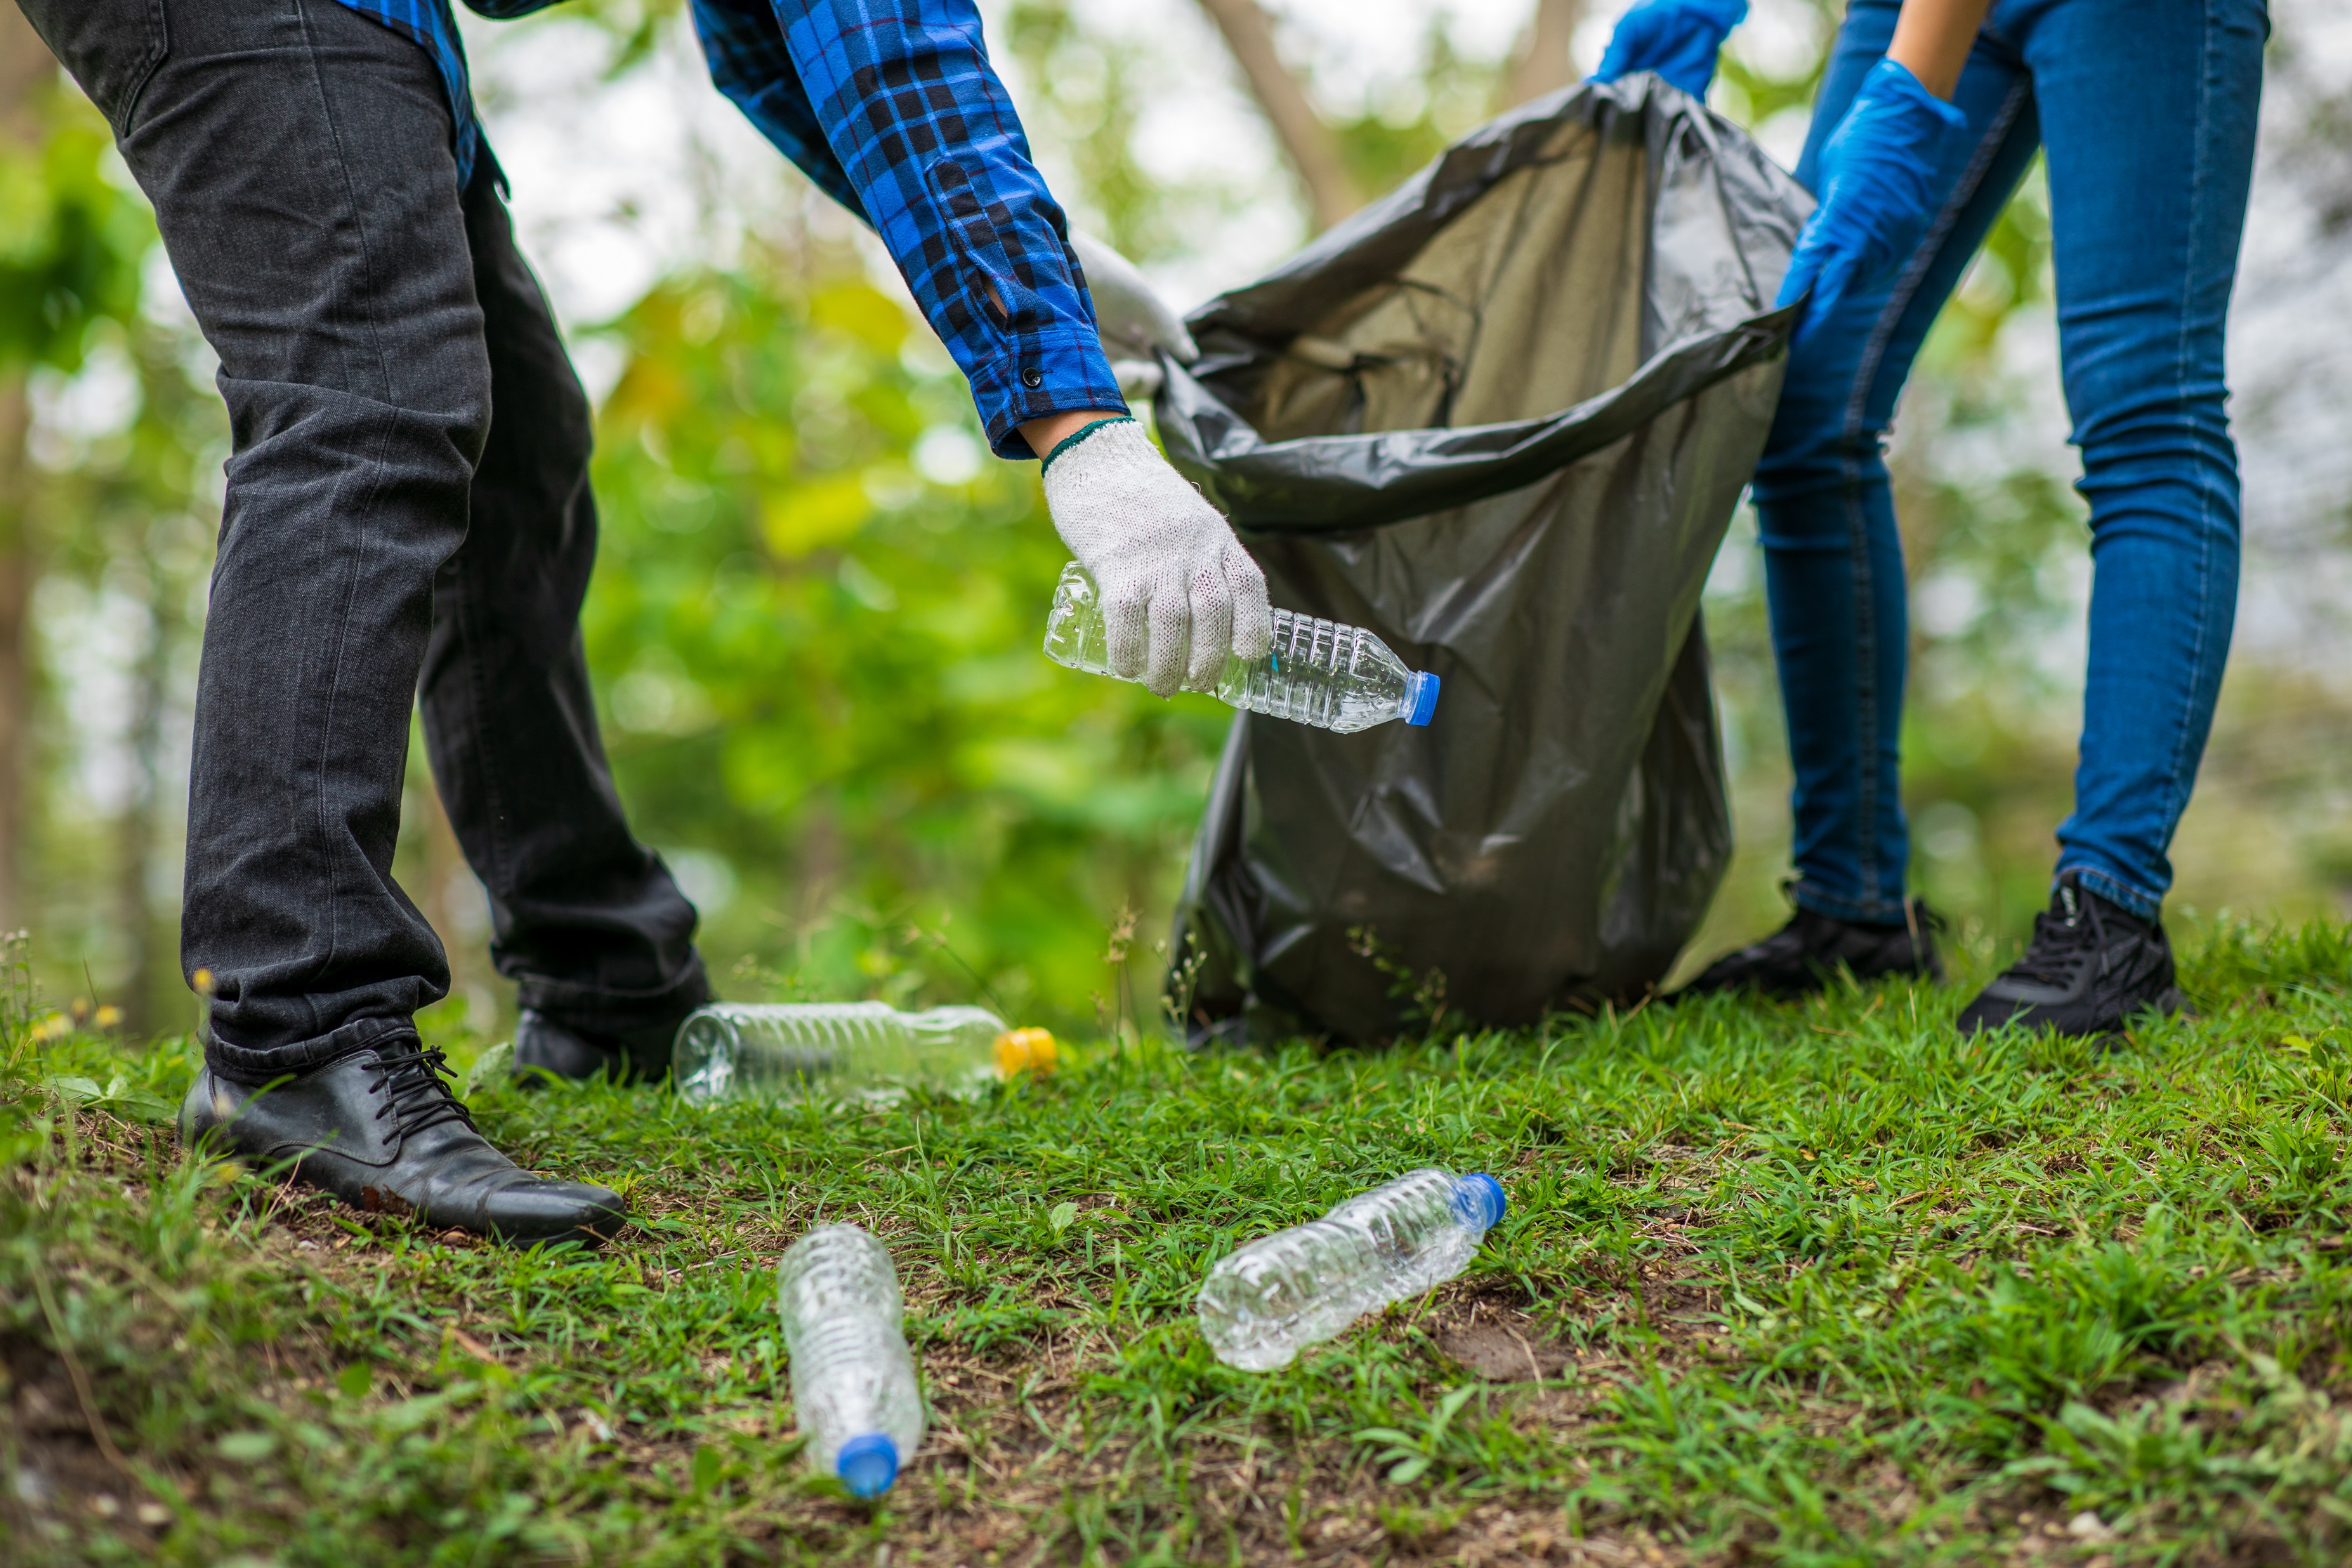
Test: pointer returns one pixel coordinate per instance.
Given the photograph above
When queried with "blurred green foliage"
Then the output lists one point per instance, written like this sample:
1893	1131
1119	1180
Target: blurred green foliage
125	522
1084	103
816	621
70	242
1409	123
111	523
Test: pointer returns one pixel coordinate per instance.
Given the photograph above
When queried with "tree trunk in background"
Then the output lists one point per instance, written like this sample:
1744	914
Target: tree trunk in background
1544	64
25	69
1306	141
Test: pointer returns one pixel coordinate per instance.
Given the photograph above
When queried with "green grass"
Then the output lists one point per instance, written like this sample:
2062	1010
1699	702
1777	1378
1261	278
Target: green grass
1817	1284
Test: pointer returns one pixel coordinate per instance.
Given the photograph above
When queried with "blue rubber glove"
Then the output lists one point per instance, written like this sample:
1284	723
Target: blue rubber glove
1876	181
1676	39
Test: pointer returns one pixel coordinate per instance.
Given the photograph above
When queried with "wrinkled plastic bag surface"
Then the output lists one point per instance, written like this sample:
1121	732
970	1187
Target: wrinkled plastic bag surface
1501	418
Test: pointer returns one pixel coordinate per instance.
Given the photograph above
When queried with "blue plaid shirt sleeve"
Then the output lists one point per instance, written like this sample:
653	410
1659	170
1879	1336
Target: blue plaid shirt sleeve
892	108
749	63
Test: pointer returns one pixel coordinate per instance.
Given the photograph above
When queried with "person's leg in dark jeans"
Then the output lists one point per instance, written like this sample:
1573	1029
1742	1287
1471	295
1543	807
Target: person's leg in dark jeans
298	157
583	917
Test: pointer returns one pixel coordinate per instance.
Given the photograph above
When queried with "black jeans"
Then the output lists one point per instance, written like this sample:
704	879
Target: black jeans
407	515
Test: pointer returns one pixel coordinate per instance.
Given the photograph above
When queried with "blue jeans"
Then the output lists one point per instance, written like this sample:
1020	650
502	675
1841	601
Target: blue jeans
2146	110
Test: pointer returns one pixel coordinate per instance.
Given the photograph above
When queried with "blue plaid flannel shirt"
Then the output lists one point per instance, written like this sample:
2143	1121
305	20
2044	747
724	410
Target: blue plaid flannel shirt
892	108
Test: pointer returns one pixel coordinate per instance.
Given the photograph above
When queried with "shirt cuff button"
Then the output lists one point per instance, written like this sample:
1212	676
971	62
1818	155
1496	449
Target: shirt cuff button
1033	377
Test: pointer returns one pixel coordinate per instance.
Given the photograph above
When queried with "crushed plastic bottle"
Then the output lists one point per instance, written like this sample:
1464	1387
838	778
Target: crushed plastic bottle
746	1049
853	1377
1266	1302
1334	677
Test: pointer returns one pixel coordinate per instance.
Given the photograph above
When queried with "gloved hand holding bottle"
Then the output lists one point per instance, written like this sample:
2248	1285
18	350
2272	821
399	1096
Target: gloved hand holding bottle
1878	184
1679	39
1178	592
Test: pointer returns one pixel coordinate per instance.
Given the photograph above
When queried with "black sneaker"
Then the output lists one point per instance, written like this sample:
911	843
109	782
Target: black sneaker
1807	953
2092	966
379	1130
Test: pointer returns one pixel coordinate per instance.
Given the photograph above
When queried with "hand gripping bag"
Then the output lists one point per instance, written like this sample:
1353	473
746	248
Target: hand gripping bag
1501	418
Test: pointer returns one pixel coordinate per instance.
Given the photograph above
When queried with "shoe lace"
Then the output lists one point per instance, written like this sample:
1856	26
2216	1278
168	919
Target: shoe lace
2061	944
415	1093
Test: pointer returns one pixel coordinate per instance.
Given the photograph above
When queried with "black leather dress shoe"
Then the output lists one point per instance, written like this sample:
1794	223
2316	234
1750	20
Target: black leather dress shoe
381	1130
544	1049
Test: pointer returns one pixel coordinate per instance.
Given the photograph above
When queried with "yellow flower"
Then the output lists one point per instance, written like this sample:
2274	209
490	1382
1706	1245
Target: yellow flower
108	1015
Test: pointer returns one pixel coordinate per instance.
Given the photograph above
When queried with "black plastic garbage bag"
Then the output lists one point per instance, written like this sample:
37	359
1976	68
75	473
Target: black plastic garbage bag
1502	418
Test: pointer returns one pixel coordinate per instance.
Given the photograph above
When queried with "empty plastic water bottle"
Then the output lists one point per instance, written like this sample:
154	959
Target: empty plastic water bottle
1318	672
853	1377
732	1050
1265	1304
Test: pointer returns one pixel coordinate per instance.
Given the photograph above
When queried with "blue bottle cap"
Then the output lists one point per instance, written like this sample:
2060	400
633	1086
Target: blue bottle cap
867	1464
1421	697
1478	1201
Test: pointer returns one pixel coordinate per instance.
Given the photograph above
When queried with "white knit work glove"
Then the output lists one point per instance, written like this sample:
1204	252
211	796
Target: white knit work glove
1178	592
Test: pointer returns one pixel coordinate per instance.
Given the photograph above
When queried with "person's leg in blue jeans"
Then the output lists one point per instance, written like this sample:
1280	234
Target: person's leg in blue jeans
1833	560
2149	110
2148	113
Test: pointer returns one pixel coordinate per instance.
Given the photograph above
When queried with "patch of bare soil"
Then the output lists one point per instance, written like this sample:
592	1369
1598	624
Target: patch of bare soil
58	1479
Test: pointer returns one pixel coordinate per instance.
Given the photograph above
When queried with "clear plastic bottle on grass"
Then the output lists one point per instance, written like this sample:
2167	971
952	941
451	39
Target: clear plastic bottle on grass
853	1377
1266	1302
1319	673
749	1049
